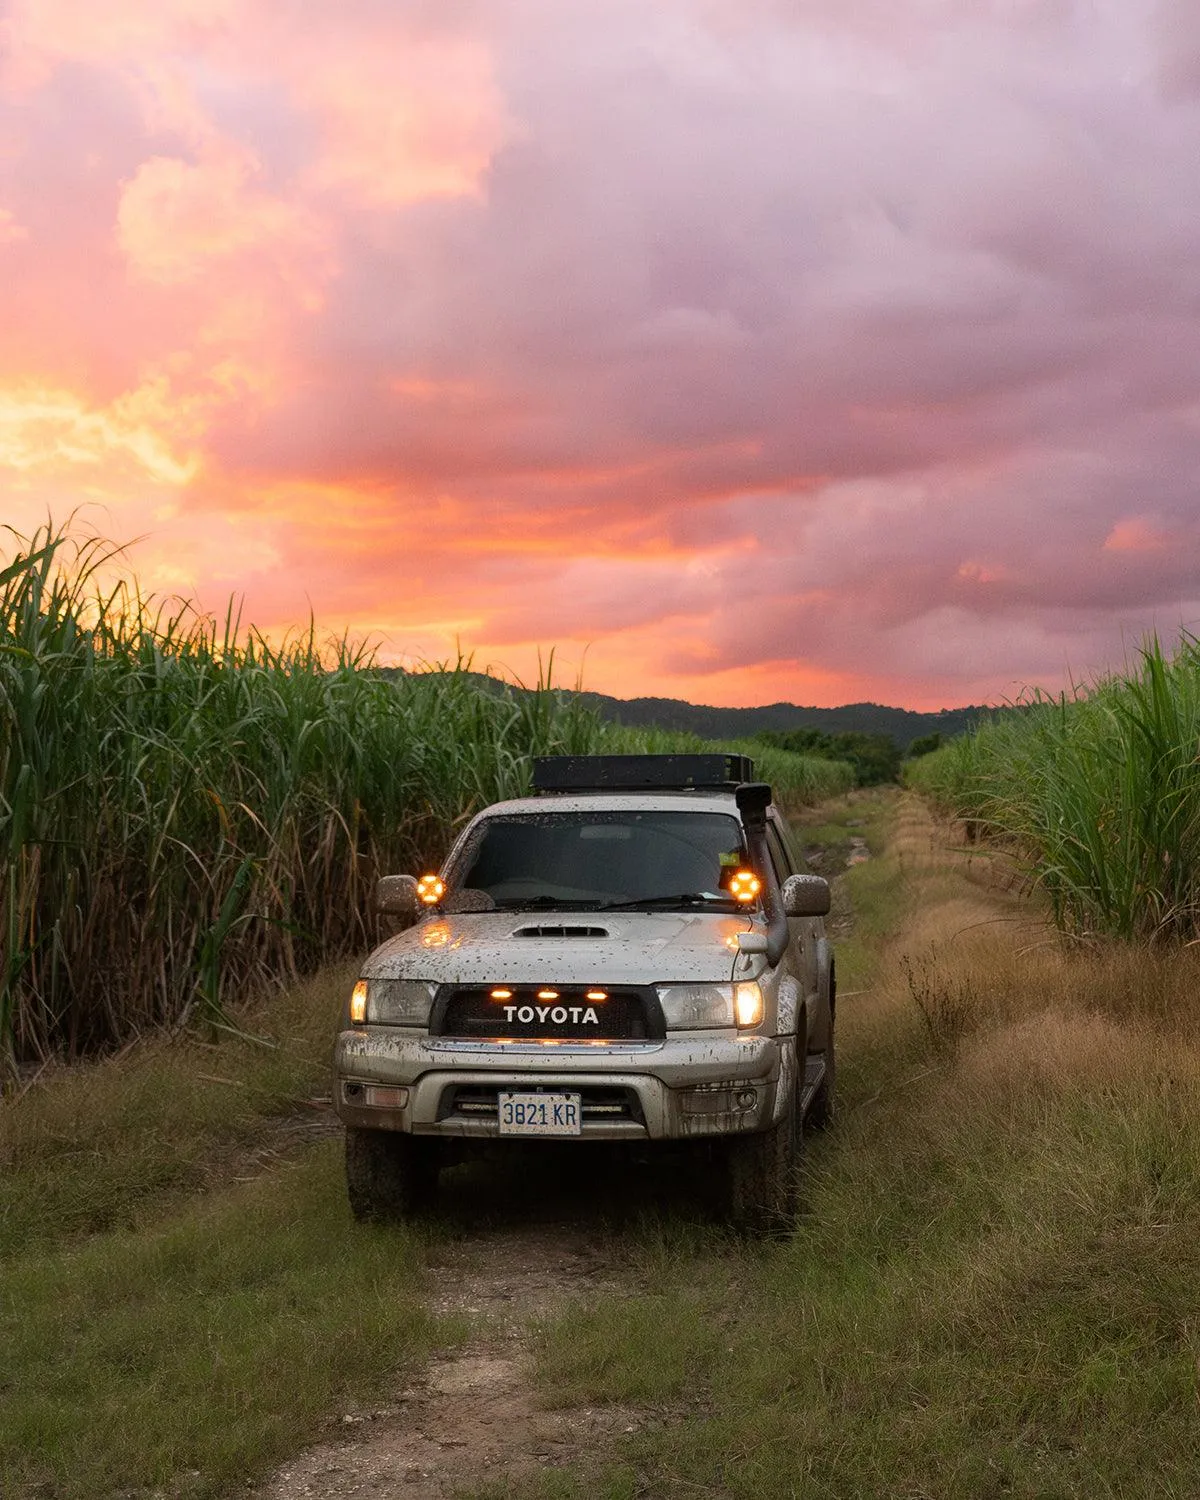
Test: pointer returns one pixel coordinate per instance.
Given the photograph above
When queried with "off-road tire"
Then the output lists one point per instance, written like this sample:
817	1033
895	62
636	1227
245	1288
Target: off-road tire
389	1176
761	1177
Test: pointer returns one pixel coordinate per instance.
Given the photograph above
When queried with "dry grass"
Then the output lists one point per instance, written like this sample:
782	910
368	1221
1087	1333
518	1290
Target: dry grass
994	1291
94	1146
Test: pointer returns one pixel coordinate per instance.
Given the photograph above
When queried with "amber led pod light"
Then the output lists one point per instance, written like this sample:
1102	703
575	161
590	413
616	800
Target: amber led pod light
744	885
430	889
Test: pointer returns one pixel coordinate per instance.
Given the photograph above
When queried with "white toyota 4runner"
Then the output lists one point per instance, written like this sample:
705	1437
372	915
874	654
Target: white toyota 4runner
635	953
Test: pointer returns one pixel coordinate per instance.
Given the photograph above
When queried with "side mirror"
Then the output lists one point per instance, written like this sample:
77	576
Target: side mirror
396	896
805	896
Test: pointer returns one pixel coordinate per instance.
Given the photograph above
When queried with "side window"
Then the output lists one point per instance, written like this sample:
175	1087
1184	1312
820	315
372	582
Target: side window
794	848
779	858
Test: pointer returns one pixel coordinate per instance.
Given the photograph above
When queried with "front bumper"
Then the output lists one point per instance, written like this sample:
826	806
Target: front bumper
690	1085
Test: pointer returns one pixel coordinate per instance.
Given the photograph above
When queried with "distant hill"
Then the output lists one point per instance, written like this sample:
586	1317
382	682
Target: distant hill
901	725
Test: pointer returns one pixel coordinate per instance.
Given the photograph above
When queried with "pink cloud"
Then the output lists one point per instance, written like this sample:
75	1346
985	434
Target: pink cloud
176	218
10	230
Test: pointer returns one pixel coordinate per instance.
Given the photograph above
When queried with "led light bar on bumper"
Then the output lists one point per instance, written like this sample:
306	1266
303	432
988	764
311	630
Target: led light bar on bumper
697	1007
391	1002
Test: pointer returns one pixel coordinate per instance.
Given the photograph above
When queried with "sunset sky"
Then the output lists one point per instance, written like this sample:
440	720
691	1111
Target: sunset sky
740	350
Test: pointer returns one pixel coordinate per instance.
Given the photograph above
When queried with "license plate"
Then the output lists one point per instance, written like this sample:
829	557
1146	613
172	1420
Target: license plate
540	1114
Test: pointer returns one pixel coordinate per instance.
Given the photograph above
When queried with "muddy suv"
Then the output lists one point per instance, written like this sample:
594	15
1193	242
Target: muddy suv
633	954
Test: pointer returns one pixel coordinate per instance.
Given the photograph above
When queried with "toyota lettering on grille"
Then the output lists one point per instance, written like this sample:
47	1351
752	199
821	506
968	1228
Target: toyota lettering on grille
549	1012
558	1015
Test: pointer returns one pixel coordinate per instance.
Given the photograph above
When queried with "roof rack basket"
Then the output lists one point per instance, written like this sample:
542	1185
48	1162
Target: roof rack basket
636	773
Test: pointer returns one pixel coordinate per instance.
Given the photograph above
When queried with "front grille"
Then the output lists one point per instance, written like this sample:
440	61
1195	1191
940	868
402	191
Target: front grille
627	1013
597	1103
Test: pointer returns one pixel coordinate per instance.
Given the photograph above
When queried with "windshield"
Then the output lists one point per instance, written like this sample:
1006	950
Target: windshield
599	860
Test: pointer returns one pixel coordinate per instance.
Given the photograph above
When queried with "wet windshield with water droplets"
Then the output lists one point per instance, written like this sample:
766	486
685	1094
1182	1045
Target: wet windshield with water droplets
596	860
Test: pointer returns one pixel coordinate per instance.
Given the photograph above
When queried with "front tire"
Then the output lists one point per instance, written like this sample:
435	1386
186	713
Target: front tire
389	1175
761	1177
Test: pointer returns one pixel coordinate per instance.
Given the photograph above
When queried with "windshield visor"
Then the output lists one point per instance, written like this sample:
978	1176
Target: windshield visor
599	860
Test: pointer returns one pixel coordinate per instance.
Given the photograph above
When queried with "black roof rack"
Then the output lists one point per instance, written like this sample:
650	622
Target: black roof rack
635	773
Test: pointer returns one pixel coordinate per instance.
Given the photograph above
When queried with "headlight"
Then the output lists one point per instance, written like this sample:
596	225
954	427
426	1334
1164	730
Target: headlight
391	1002
695	1007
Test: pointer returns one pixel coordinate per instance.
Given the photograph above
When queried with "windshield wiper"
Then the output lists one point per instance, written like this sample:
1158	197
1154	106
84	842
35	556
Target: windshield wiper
684	898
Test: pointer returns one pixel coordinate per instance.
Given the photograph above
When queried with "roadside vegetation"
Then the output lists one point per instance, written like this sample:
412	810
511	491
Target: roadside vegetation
190	813
1096	795
874	758
992	1292
183	1295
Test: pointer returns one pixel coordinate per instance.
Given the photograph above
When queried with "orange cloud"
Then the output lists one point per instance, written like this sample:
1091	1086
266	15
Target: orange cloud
979	572
547	325
176	218
128	36
48	431
1136	534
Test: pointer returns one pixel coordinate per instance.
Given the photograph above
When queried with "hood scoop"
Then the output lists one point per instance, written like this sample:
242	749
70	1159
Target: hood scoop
559	931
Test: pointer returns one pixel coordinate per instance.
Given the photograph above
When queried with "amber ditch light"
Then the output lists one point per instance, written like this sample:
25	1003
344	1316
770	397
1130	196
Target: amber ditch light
744	886
430	889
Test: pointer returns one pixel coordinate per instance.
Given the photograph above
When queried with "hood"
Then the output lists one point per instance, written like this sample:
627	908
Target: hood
564	947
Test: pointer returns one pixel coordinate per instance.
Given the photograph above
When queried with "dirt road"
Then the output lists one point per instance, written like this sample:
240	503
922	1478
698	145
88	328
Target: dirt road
521	1242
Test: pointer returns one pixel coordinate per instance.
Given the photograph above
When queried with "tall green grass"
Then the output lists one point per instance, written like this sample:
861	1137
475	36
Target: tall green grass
1100	791
190	813
797	780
